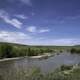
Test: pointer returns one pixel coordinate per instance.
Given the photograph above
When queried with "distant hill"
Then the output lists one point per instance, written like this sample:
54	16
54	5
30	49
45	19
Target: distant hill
77	45
14	44
37	46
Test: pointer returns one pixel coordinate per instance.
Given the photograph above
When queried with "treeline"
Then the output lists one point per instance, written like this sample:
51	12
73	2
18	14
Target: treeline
75	51
9	51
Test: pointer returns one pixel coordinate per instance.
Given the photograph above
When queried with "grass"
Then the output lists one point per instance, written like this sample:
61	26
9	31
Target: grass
36	74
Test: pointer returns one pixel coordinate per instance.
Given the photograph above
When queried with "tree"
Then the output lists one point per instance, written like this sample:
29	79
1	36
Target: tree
6	51
73	50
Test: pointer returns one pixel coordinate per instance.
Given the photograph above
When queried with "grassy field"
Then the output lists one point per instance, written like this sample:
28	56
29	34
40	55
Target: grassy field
62	73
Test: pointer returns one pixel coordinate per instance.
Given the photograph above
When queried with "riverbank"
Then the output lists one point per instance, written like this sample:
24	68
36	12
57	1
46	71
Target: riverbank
10	59
46	55
43	56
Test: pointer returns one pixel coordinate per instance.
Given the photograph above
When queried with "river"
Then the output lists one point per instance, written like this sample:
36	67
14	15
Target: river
9	68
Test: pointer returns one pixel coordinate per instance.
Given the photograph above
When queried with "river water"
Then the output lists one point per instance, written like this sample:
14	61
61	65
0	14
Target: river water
9	68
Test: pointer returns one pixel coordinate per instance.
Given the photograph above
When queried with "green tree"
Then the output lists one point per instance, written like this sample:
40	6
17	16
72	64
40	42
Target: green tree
6	51
73	50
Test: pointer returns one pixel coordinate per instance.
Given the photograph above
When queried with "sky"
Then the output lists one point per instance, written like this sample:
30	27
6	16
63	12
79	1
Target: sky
40	22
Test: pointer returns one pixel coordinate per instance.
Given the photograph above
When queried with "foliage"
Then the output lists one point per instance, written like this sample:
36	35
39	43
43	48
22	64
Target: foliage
13	50
9	50
36	74
6	51
64	67
74	50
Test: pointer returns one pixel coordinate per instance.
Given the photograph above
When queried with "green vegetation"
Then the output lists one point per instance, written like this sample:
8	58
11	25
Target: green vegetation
36	74
64	75
8	50
74	50
64	67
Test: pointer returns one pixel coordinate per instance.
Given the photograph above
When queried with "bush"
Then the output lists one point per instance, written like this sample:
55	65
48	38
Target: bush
73	50
64	67
6	51
10	50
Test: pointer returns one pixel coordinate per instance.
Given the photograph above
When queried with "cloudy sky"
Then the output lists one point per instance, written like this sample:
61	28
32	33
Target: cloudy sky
40	22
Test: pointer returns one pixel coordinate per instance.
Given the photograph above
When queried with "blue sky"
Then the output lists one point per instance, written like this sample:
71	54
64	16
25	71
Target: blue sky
40	22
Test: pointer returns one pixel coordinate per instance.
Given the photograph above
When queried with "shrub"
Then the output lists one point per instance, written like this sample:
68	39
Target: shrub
6	51
73	50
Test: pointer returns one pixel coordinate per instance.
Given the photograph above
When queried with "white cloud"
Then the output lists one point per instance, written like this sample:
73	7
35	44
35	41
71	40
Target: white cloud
57	42
65	41
28	2
34	29
14	22
44	30
21	16
31	29
19	37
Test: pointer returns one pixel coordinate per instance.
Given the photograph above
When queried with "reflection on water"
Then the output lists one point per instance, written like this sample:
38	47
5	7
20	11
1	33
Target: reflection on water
10	69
